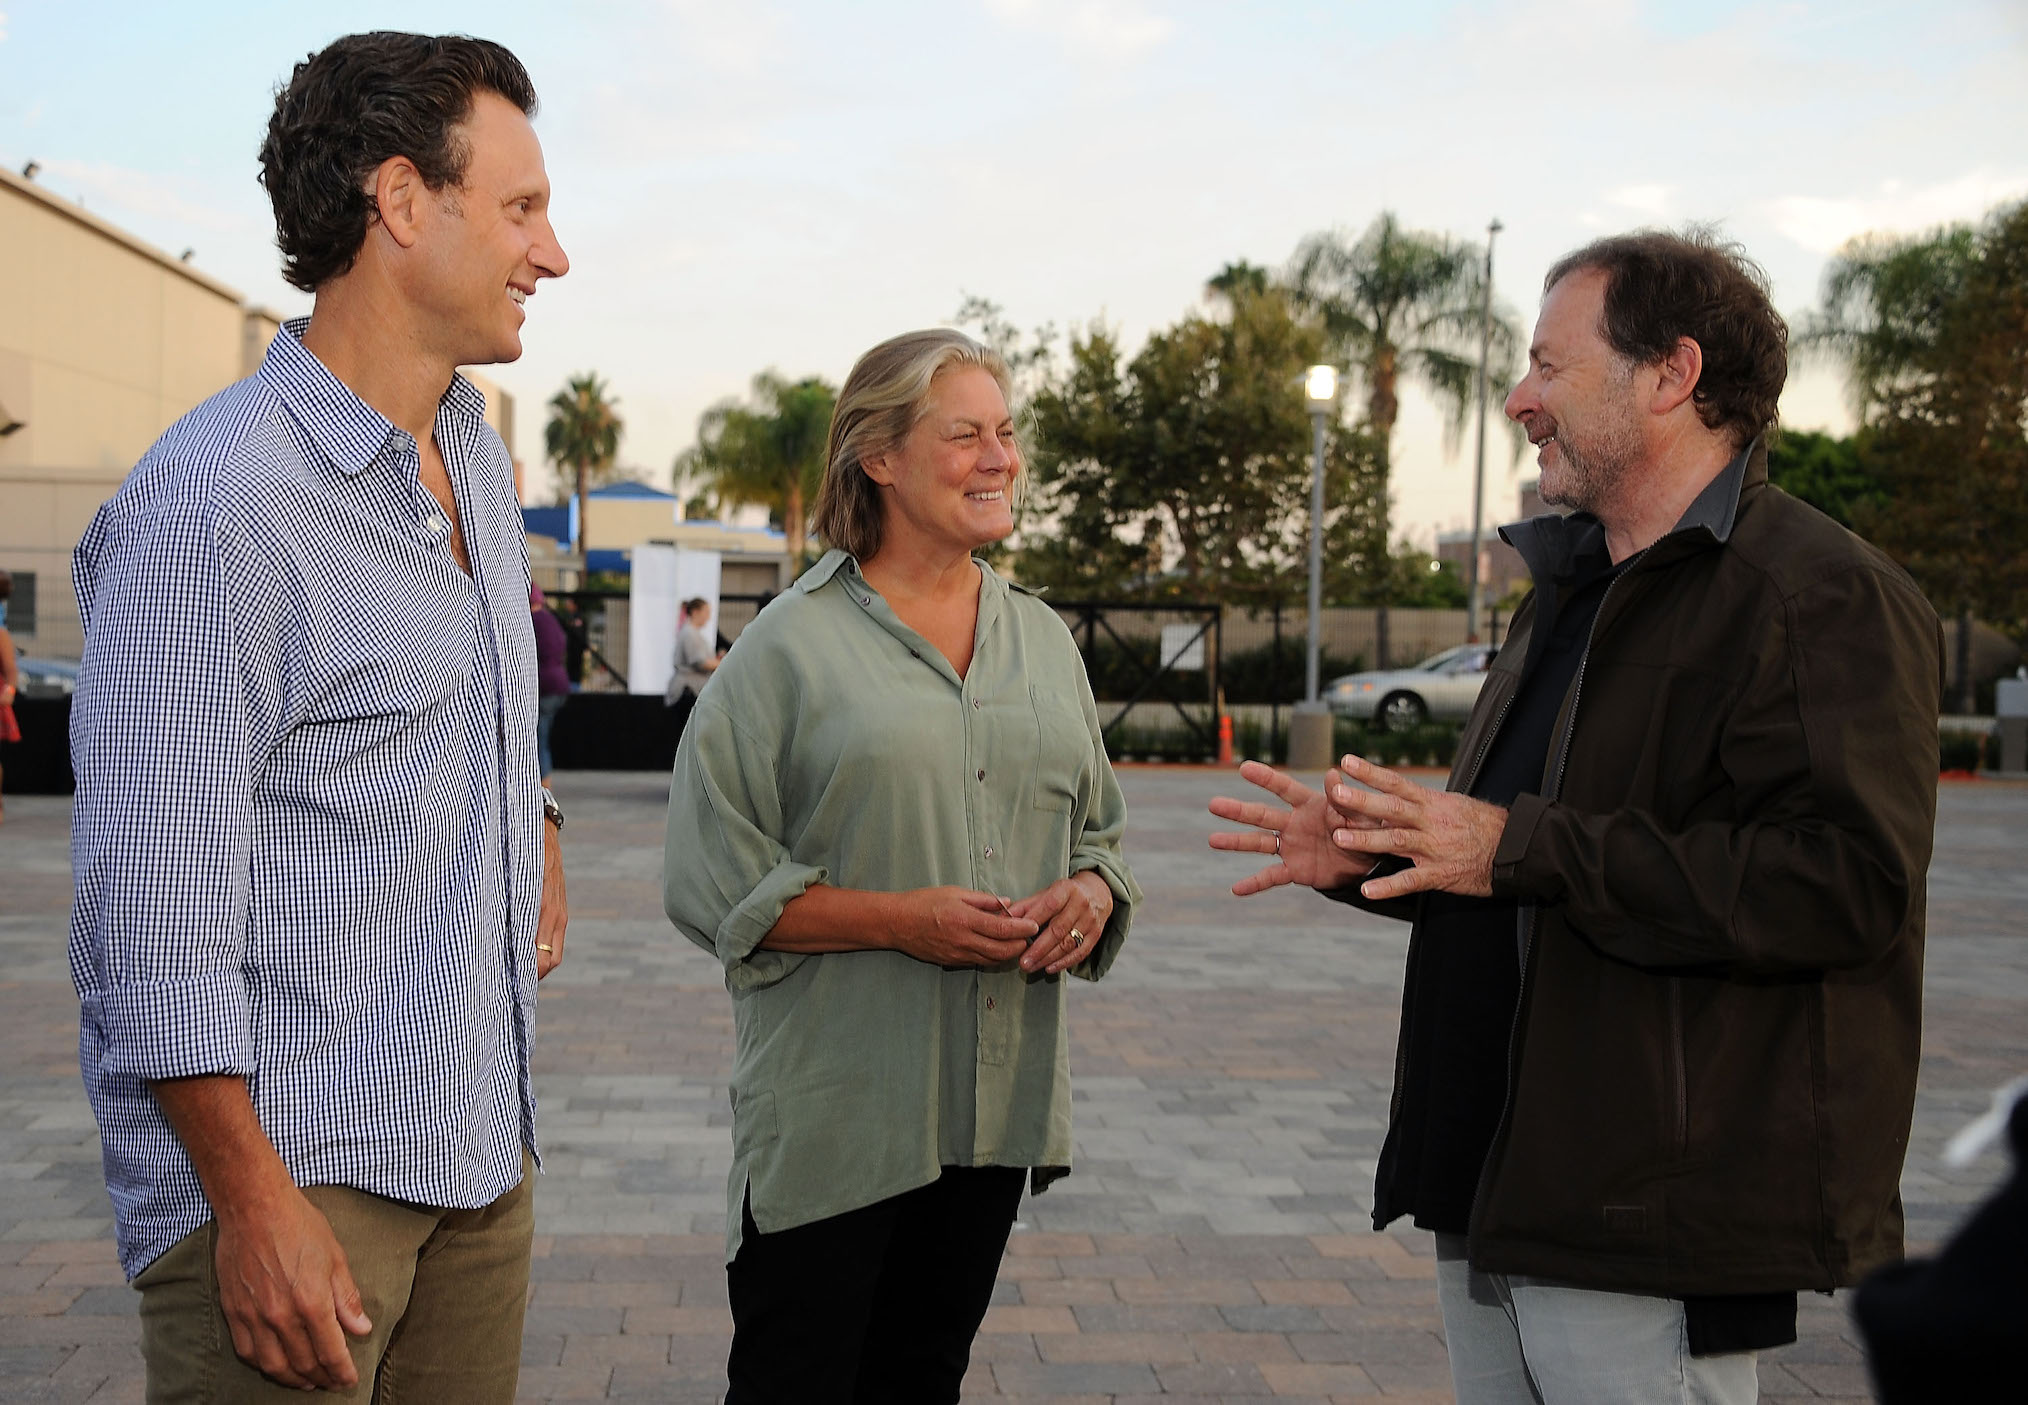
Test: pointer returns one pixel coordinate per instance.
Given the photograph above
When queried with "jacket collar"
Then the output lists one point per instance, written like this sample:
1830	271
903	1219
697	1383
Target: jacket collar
1551	544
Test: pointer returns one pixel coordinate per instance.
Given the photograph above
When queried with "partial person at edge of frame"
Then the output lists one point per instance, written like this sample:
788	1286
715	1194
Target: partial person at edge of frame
307	932
1661	1018
893	821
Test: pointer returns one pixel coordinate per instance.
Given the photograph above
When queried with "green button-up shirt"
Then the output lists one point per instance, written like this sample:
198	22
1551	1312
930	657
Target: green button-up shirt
836	745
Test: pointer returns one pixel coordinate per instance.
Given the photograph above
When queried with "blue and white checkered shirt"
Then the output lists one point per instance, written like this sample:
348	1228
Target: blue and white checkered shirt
308	828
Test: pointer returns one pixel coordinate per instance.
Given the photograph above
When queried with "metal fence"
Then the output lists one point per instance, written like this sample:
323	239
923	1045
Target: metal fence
1162	673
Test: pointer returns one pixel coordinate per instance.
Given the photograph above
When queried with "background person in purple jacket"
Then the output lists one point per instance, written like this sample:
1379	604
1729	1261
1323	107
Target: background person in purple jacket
552	677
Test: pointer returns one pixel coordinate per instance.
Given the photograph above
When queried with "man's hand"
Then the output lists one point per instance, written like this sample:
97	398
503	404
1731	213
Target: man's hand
555	910
958	927
286	1291
1299	837
1072	912
1449	838
283	1283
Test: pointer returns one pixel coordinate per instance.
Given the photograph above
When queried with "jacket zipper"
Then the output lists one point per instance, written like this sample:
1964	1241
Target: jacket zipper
1467	781
1533	911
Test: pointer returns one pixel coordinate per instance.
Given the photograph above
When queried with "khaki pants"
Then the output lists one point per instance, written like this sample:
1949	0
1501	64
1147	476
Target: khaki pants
446	1291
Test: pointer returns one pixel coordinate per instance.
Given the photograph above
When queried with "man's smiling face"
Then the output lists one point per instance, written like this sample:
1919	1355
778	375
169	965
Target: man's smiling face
490	239
1578	401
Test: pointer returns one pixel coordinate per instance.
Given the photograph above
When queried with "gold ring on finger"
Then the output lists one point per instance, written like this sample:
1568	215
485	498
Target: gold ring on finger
1076	937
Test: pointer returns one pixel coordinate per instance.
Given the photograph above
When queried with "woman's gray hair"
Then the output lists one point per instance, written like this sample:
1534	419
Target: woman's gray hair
884	398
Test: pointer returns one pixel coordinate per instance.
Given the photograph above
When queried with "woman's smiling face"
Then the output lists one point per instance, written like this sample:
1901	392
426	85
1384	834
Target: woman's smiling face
951	481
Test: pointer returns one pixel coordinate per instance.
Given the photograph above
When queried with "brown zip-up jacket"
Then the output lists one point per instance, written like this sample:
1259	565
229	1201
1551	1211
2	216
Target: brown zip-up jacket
1712	1070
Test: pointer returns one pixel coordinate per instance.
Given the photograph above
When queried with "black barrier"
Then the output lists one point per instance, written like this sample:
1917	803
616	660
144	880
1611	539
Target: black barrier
39	764
615	732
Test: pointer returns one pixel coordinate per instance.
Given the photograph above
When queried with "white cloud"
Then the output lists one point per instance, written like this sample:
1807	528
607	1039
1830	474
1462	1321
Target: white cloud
1114	28
731	38
1823	225
1649	200
144	193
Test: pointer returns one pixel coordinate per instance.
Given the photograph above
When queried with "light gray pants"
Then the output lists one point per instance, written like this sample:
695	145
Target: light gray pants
1521	1341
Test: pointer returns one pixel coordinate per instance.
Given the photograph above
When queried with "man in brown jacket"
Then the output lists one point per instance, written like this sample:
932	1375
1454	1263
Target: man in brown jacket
1662	1009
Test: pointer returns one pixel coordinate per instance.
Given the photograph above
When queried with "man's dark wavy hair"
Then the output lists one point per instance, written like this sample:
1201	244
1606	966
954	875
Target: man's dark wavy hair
356	103
1662	286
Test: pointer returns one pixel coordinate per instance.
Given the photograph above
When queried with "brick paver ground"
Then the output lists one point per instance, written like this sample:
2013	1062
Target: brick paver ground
1231	1076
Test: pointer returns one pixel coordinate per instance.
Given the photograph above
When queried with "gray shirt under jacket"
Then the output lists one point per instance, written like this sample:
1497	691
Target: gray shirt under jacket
836	745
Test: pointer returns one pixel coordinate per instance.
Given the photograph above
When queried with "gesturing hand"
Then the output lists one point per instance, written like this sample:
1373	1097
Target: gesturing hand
960	927
288	1294
1073	912
1449	838
1299	837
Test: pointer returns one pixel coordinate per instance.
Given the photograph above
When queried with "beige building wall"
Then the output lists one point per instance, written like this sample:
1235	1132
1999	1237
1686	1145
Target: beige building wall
105	341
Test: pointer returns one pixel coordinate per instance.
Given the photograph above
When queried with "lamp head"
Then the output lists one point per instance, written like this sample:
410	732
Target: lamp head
1320	387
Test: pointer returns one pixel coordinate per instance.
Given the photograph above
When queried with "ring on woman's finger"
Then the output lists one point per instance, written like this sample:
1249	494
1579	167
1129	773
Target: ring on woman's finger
1076	939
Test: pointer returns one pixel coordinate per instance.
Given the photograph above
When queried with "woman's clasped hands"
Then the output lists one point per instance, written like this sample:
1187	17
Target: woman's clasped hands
1047	932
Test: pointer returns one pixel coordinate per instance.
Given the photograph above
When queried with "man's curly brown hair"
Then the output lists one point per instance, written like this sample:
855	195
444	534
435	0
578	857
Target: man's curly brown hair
356	103
1661	287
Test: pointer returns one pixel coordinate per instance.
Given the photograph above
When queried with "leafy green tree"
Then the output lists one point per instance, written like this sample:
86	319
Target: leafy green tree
1836	476
583	435
768	452
1933	331
1398	304
1198	448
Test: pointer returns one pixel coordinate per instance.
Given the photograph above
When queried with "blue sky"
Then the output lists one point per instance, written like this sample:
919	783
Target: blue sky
751	185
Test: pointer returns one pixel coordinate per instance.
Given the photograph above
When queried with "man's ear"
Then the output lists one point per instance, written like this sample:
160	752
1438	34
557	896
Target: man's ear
1676	376
398	192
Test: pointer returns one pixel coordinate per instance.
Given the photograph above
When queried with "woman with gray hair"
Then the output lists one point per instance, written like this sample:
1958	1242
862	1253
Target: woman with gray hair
894	824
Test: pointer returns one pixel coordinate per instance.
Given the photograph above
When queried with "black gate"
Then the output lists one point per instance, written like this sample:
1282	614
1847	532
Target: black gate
1144	664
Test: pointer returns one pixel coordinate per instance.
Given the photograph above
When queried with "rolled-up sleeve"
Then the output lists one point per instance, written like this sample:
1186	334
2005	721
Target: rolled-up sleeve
177	690
726	872
1097	847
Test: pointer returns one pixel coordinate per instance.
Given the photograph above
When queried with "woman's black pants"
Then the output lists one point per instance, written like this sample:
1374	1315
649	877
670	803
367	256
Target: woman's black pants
876	1306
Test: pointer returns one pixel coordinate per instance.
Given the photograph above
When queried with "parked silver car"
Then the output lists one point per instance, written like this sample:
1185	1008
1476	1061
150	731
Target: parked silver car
1440	689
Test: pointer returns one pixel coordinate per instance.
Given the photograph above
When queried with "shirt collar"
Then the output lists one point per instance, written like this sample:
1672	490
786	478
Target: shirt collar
1716	509
349	431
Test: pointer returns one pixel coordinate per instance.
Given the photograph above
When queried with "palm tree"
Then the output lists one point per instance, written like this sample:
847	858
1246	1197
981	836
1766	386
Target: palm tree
1401	303
768	453
1928	328
583	434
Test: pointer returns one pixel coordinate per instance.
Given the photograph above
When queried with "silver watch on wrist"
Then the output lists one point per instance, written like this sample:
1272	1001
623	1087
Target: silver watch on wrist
552	811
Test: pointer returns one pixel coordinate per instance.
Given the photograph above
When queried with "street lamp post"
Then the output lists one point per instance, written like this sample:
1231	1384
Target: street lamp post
1475	587
1310	725
1320	392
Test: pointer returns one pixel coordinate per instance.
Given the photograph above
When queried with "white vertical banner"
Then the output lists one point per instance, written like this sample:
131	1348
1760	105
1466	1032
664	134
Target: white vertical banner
664	577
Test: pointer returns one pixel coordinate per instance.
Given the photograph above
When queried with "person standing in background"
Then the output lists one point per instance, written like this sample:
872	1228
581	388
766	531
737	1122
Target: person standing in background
697	658
552	679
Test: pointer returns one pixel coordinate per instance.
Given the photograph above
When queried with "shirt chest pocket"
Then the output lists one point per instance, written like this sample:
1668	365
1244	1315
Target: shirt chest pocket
1063	748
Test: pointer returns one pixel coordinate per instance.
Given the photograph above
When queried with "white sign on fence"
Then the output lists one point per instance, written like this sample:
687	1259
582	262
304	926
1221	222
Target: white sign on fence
1183	647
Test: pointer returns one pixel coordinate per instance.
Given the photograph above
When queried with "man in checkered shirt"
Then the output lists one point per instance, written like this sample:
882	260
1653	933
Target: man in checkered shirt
317	878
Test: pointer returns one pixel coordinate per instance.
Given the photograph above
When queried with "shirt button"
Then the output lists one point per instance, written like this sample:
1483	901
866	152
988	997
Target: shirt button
990	1003
989	851
982	775
915	653
976	704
